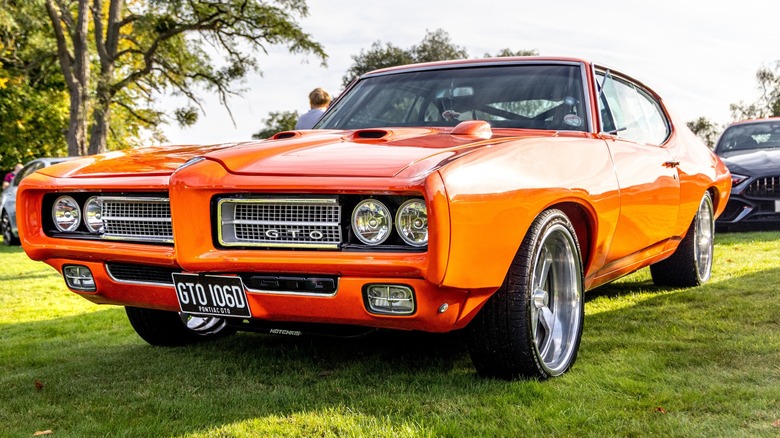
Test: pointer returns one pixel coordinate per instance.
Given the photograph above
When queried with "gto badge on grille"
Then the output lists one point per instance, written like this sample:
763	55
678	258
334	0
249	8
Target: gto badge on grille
275	234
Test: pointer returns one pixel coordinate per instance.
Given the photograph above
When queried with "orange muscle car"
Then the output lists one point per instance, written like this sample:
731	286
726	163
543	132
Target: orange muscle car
485	195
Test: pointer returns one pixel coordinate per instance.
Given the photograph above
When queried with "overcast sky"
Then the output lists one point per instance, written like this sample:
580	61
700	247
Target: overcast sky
699	55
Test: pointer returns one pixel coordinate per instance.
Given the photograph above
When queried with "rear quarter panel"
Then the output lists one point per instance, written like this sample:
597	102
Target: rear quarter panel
700	169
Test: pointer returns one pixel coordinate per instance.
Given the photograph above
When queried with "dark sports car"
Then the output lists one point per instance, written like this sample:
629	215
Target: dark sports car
751	150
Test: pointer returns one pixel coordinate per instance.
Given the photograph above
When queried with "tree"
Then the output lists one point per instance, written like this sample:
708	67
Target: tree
707	130
378	56
33	99
509	52
768	103
148	47
277	121
435	46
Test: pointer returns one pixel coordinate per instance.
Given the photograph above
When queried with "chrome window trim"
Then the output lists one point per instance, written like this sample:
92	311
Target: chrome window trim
583	66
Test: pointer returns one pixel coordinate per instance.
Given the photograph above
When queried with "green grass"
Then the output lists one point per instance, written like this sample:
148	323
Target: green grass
653	362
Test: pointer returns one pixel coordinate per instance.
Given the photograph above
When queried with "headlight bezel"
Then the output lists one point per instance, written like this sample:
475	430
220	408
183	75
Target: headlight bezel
382	230
94	223
66	215
416	227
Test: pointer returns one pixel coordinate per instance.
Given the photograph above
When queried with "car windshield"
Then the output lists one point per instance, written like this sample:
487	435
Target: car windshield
760	135
506	96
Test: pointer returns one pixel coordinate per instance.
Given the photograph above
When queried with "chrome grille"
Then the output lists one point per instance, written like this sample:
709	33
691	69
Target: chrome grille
280	222
766	187
136	218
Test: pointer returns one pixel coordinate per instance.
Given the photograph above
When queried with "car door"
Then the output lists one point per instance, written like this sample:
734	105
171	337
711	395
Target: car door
635	129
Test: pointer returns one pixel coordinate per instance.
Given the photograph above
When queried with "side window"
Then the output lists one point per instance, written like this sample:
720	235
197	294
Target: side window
657	125
636	115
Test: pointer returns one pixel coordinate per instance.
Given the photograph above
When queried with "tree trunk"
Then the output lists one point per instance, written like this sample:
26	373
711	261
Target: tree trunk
77	126
101	119
75	67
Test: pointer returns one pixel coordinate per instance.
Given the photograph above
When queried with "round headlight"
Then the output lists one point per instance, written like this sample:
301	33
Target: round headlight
66	214
411	222
372	222
93	215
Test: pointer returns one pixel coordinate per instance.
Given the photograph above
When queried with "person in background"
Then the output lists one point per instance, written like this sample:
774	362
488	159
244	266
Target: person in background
10	175
319	99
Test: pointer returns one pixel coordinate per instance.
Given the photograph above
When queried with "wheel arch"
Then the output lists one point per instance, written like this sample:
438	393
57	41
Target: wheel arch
583	219
719	200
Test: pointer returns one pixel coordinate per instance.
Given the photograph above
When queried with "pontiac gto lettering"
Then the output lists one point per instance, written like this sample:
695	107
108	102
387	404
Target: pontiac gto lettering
275	234
483	195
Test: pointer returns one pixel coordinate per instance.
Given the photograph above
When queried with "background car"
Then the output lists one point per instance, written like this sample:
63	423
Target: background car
8	226
751	151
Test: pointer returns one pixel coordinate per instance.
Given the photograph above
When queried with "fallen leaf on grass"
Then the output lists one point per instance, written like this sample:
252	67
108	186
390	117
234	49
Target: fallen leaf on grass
660	409
38	385
776	423
43	432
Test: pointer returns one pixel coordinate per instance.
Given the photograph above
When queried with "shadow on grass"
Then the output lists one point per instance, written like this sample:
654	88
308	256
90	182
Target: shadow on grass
14	249
625	287
42	274
98	377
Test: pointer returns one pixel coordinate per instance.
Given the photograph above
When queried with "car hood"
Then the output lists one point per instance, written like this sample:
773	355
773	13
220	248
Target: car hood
361	153
159	160
761	162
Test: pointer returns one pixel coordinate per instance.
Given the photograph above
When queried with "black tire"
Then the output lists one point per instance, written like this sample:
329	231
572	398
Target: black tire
173	329
5	227
691	264
510	337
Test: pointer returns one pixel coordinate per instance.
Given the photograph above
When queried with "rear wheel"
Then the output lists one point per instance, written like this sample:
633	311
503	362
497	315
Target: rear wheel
531	327
5	228
691	263
170	329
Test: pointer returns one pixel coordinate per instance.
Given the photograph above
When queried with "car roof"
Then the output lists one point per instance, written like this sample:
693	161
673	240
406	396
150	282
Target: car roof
762	120
478	61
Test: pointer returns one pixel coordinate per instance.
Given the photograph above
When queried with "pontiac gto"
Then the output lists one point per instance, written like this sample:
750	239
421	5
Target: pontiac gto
486	195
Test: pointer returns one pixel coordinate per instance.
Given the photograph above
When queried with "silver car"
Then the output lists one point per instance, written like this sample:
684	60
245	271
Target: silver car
8	206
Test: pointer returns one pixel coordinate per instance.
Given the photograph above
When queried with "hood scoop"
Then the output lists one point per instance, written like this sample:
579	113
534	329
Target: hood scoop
370	135
285	134
474	129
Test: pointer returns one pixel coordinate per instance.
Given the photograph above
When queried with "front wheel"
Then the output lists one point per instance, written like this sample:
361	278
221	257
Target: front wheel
691	264
172	329
532	326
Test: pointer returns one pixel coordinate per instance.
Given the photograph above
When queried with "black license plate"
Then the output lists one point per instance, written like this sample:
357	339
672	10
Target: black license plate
211	295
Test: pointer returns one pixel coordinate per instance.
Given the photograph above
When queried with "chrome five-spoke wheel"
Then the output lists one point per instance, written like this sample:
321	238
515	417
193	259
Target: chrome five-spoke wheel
556	314
532	326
